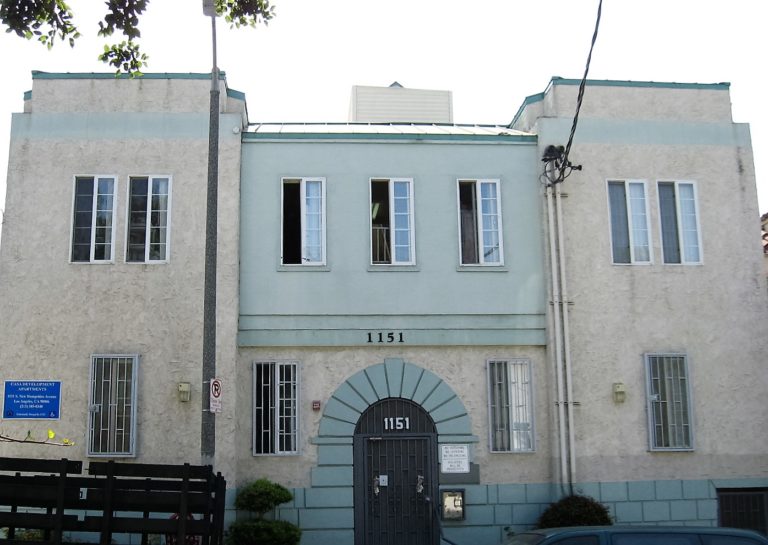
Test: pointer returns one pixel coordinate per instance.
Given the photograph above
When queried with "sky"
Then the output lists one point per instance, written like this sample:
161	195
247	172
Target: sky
490	53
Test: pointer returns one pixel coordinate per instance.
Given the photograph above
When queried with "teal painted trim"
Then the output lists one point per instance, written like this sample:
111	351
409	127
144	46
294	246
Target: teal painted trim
37	74
722	86
28	95
327	537
119	125
426	337
330	518
530	99
392	322
407	138
646	132
239	95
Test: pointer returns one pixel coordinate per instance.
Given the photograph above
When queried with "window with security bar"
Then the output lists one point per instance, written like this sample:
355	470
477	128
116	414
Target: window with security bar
510	404
112	405
275	407
669	402
743	508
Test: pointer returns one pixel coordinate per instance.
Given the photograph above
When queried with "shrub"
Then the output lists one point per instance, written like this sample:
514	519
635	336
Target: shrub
261	496
575	511
267	532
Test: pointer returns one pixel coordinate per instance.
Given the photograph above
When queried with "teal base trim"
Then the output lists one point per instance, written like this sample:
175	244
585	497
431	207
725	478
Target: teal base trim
494	509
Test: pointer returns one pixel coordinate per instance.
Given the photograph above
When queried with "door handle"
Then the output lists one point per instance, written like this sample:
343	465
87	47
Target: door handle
376	486
419	484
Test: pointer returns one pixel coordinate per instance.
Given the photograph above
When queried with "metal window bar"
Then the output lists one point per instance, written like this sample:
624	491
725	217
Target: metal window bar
744	508
111	426
275	415
510	406
669	402
381	251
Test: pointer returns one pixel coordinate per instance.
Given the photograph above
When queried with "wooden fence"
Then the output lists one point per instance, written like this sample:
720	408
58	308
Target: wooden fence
54	499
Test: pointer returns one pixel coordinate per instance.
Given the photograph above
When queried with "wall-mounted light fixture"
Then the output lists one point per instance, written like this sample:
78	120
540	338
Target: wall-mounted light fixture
619	392
185	392
452	504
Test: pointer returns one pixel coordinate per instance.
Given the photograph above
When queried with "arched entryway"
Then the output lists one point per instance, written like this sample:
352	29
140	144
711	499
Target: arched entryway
329	503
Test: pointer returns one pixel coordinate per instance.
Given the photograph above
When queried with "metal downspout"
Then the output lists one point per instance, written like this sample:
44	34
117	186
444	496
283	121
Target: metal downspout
554	271
566	343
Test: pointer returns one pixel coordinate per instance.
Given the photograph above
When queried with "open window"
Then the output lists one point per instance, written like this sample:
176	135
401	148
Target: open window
392	239
480	222
303	233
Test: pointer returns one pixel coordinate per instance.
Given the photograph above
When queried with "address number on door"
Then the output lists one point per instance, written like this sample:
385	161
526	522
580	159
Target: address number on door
397	423
382	337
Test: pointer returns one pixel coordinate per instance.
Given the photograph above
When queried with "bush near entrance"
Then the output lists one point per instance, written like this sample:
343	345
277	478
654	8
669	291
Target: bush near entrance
260	497
575	511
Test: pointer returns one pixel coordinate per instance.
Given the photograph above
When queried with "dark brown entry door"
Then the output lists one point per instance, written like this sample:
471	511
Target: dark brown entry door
395	475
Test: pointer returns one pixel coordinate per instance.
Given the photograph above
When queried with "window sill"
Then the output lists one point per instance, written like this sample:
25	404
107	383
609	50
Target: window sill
303	268
482	268
393	268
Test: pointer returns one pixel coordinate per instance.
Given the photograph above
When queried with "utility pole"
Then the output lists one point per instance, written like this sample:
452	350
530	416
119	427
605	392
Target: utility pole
208	420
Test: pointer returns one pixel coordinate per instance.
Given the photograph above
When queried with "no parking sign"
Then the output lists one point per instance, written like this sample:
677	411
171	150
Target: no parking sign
216	394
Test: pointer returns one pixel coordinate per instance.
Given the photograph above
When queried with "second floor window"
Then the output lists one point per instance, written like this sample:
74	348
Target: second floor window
392	236
629	222
148	219
93	233
480	222
303	235
680	238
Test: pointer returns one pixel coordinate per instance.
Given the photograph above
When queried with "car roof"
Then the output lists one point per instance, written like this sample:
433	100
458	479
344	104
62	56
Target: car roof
645	529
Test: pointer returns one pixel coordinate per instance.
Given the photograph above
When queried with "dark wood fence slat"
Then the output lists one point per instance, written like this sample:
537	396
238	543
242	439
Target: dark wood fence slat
38	466
138	499
150	470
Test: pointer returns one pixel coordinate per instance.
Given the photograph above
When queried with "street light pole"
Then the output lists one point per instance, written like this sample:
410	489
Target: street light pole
208	420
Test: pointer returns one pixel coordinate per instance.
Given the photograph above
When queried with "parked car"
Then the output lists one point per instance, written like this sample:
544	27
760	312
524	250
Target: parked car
637	535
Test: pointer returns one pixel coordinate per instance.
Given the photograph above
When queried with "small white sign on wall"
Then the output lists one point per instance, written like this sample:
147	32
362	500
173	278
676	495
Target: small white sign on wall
454	458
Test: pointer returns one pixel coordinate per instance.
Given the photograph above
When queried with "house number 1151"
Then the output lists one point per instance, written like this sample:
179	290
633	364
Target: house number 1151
386	337
397	423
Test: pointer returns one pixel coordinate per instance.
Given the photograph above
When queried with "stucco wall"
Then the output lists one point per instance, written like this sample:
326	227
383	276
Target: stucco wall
56	314
323	370
715	312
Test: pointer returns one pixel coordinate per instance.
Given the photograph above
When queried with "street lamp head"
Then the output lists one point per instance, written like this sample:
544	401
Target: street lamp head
209	8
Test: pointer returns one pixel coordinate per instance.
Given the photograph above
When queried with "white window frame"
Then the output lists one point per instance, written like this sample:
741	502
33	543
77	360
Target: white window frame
478	212
95	179
412	225
678	215
679	394
302	181
151	179
94	408
520	439
274	424
631	214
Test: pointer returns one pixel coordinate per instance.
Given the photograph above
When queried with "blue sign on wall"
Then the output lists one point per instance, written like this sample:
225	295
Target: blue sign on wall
32	399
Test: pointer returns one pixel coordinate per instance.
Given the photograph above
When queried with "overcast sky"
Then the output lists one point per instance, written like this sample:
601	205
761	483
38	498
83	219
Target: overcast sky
490	53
